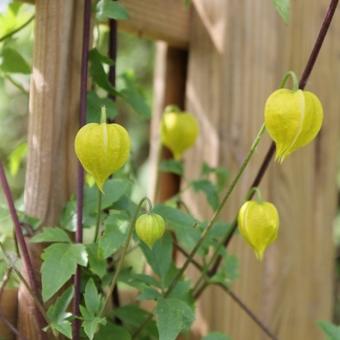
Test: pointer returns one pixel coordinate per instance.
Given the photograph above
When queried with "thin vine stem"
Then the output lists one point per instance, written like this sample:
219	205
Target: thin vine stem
80	176
23	248
124	252
213	219
99	214
11	265
12	328
270	153
10	34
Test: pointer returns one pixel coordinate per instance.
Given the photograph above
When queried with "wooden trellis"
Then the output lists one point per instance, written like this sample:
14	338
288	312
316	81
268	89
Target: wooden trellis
221	59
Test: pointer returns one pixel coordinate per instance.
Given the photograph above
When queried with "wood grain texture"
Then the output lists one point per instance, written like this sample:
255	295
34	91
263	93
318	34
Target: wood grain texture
54	108
53	122
157	19
239	51
169	89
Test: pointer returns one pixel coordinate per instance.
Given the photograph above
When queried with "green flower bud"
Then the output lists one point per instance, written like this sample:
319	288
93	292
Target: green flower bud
258	223
150	228
179	131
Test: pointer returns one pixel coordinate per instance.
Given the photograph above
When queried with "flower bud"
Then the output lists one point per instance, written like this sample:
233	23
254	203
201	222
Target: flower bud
102	149
150	228
292	119
179	131
258	223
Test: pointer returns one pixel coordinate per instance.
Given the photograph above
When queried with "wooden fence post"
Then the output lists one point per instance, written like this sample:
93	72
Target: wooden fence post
239	51
53	122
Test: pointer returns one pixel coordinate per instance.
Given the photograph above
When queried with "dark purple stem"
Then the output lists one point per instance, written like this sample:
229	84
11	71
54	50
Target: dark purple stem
113	54
270	153
23	247
80	180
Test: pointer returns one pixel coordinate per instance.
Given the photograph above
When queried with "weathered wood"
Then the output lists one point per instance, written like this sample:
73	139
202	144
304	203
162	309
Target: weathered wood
157	19
53	121
239	50
169	87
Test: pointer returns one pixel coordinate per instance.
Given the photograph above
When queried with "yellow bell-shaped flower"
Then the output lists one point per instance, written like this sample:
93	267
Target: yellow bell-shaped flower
150	228
258	223
292	119
102	149
179	131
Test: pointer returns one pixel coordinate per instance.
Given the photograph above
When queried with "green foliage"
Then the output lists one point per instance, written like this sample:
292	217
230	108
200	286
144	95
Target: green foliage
51	235
133	96
173	316
60	261
172	166
13	62
110	9
208	188
95	104
283	8
91	312
16	157
181	223
160	256
106	331
59	318
332	331
229	270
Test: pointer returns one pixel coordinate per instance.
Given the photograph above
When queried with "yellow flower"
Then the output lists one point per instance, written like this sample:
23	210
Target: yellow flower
292	119
150	228
179	131
258	223
102	149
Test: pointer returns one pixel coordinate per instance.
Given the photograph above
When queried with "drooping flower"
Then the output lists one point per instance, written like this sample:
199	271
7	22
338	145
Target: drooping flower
292	119
102	149
150	228
179	131
258	223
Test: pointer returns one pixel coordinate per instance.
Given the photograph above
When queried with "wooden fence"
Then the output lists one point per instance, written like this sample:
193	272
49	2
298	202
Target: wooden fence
221	59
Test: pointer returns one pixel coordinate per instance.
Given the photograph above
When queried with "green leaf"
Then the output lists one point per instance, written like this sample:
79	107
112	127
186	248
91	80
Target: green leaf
131	315
51	234
209	190
216	336
97	262
109	9
173	316
114	189
13	62
93	300
137	280
91	323
106	332
221	174
149	294
229	270
332	331
16	157
283	8
181	223
134	97
97	70
172	166
60	261
113	238
95	104
58	316
160	257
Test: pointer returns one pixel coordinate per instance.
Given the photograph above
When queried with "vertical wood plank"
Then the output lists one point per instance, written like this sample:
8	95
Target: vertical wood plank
239	50
169	89
53	122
